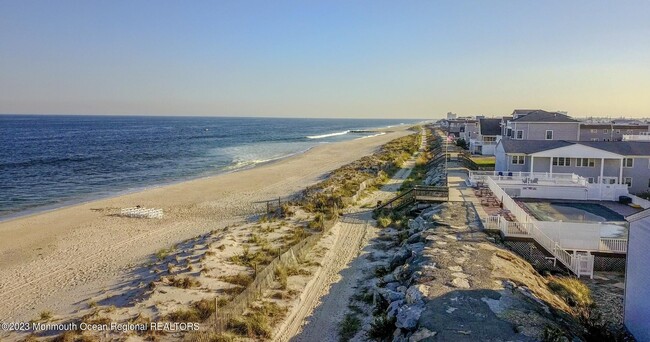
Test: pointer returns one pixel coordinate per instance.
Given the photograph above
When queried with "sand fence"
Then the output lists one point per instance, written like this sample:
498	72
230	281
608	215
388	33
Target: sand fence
264	280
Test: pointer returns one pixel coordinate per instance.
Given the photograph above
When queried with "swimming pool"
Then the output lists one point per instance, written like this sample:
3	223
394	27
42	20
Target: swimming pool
613	224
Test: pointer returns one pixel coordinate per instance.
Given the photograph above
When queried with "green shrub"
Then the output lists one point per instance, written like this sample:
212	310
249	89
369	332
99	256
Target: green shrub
183	283
183	315
382	328
241	279
253	325
384	221
349	327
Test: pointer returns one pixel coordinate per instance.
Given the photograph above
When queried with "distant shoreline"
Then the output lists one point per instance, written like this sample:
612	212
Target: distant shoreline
214	149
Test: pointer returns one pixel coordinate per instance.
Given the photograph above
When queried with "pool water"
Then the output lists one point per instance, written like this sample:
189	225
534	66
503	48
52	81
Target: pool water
613	225
572	212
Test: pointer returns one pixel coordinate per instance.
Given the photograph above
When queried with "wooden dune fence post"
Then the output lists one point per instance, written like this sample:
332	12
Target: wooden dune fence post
216	316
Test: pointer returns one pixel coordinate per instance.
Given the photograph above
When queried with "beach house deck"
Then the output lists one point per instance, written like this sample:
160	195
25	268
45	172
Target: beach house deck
571	244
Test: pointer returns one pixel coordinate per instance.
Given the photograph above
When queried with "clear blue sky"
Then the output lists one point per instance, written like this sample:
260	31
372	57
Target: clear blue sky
324	59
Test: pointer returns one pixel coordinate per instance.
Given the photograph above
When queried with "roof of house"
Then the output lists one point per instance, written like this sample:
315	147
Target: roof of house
531	146
544	116
523	111
638	216
490	126
615	126
625	148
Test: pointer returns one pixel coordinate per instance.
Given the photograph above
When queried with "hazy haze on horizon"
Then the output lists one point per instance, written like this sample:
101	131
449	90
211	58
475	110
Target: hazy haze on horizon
361	59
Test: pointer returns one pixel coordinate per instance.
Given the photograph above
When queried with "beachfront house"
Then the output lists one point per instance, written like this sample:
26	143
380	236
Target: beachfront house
541	125
637	277
605	162
469	131
453	127
489	133
610	131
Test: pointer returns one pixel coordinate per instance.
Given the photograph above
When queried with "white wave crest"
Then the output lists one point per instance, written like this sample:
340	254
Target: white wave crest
327	135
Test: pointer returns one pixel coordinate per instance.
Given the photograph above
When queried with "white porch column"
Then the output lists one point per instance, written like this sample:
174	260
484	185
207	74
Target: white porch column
551	163
600	186
532	164
620	173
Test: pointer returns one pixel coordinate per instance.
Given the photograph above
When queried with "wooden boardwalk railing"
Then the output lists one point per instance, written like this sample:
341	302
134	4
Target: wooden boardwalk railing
418	193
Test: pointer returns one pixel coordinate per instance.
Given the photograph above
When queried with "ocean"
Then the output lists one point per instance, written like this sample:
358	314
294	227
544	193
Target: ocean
50	161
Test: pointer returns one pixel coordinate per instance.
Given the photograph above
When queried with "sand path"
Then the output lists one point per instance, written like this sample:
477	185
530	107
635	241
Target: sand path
56	260
324	301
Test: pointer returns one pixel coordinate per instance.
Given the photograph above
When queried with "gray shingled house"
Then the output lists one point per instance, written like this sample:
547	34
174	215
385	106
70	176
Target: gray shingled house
609	162
542	125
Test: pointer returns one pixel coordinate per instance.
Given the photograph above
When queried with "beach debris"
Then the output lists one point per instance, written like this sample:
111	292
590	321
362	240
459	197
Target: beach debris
142	212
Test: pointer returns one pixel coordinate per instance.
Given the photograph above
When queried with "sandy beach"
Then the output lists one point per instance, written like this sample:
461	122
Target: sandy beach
57	260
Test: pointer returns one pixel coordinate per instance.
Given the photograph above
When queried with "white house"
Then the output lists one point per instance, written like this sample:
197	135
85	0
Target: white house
637	277
489	133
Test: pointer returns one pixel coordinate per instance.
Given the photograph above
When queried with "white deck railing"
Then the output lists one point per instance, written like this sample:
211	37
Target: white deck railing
613	245
529	177
139	212
527	226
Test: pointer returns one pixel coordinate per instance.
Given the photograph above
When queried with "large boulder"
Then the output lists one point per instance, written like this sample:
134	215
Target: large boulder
393	308
389	295
417	237
408	316
403	273
416	293
400	257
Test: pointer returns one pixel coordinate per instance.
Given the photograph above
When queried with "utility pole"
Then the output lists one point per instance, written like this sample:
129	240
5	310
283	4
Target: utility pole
446	155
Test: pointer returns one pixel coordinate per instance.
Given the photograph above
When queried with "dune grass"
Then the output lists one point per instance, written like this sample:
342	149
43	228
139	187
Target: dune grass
572	290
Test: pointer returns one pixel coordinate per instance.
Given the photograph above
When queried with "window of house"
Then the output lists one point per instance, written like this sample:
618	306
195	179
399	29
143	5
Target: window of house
561	161
509	133
590	180
628	181
549	135
605	131
585	162
518	160
628	162
489	139
520	134
593	130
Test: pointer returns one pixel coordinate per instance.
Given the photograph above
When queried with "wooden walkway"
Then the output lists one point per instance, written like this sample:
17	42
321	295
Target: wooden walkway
418	193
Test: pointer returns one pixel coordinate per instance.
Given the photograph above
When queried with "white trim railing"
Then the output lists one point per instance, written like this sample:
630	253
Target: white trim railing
492	222
554	178
507	201
530	228
613	245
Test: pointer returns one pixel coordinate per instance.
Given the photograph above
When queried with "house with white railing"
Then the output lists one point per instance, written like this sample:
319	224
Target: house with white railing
573	245
603	162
